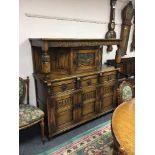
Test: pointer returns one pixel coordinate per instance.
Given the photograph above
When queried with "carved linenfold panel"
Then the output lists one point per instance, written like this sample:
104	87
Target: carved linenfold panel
107	102
108	90
88	109
89	95
85	59
60	60
64	104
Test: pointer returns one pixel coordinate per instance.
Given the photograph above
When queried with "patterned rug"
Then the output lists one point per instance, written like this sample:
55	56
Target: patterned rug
96	141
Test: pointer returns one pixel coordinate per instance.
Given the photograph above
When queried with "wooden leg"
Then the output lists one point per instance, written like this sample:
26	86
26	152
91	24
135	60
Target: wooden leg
121	151
42	131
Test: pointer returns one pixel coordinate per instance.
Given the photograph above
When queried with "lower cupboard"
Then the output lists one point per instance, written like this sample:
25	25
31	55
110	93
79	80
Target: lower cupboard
75	100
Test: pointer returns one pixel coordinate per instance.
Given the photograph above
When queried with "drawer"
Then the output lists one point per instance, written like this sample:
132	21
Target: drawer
60	87
89	81
109	77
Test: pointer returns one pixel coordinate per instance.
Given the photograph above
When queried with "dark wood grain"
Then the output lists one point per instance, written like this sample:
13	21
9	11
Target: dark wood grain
78	87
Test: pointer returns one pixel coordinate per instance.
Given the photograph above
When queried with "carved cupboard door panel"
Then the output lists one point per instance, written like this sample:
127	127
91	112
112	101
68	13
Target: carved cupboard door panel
88	106
108	99
86	59
61	111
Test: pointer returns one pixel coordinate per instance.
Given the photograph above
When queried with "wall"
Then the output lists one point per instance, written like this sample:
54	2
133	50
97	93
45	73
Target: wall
90	10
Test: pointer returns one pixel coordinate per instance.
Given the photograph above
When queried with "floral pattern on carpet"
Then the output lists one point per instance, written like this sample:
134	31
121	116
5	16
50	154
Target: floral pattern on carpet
96	141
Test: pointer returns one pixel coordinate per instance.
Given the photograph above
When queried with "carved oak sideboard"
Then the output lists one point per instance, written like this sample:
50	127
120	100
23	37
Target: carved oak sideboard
72	86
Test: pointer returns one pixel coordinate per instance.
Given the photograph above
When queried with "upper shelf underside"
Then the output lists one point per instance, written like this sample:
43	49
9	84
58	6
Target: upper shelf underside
71	42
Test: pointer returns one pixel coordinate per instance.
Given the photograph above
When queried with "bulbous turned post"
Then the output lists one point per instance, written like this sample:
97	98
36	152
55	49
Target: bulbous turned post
111	34
118	57
45	60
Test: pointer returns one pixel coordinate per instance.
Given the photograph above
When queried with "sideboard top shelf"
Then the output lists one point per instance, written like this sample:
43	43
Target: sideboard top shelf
72	42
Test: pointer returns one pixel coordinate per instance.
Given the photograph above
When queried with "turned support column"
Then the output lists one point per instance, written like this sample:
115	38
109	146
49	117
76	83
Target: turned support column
118	57
45	58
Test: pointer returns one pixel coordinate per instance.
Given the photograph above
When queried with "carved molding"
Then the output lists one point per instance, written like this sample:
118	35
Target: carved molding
74	43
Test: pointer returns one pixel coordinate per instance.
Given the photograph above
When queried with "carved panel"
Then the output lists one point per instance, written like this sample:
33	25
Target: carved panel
64	104
60	60
45	63
107	103
89	102
85	59
64	110
89	95
108	90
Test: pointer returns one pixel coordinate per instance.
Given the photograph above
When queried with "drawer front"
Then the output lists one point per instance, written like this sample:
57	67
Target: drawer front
109	78
60	87
89	81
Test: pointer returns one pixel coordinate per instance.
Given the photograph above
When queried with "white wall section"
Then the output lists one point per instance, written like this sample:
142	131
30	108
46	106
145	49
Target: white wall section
64	19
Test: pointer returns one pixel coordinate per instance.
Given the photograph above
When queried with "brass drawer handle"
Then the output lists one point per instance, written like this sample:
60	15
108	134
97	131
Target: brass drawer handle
89	82
63	87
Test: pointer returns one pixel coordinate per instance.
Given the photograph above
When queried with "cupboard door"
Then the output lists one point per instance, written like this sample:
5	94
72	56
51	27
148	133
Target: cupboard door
86	59
108	98
63	110
88	106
